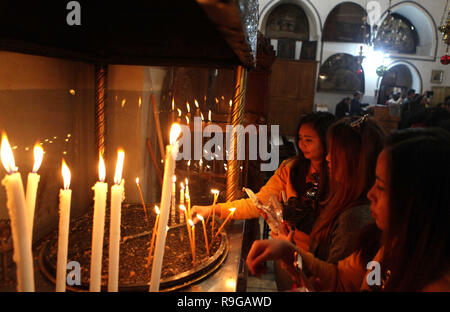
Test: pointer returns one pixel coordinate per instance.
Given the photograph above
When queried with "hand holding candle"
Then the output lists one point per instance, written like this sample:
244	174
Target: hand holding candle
117	195
23	255
63	232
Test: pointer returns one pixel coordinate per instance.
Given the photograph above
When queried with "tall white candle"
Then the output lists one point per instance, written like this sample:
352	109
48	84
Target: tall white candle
32	186
117	196
23	255
169	169
63	232
100	191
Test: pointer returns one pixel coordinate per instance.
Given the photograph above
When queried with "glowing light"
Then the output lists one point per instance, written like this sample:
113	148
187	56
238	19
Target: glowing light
101	169
157	210
38	155
175	132
7	156
66	175
119	166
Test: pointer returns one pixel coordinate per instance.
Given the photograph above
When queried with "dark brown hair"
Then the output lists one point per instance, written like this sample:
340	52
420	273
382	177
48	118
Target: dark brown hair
353	149
320	121
417	239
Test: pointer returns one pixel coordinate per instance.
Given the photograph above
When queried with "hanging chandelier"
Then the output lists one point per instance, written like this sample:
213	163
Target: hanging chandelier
445	30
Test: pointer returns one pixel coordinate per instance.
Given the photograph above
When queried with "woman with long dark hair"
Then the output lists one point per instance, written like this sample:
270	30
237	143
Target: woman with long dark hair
408	246
295	176
354	145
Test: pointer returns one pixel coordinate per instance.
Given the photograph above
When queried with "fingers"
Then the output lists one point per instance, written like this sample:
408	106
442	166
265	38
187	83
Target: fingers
258	254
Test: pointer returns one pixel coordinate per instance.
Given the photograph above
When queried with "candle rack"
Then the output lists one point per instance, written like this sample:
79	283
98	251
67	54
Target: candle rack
80	226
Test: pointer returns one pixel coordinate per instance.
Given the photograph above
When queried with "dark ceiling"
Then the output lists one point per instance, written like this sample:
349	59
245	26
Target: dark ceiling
152	32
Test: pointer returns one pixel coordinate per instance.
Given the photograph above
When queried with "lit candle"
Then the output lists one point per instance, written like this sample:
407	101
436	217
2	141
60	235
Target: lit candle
181	202
188	201
197	109
179	115
169	170
204	233
186	193
232	210
209	116
32	186
100	191
142	199
155	228
173	208
216	195
173	110
193	240
65	196
188	115
117	196
183	209
17	209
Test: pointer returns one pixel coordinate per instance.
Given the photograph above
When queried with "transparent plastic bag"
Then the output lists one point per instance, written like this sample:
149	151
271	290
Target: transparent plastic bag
272	213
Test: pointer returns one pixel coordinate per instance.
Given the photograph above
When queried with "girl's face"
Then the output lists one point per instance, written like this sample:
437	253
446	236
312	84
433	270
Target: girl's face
379	193
309	143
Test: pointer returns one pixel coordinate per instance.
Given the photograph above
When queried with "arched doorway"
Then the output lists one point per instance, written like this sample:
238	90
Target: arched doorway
397	79
288	24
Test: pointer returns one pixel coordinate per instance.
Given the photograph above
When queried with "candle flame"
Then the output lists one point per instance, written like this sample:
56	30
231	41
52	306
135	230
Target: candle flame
188	107
157	210
66	174
175	132
7	155
217	100
173	104
38	155
209	115
137	180
215	191
189	163
201	114
179	112
119	166
186	180
182	185
174	178
101	168
232	209
183	207
191	223
230	103
196	103
199	216
187	120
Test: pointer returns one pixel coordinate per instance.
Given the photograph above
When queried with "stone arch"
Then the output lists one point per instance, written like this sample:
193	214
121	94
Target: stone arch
424	24
417	82
348	29
315	24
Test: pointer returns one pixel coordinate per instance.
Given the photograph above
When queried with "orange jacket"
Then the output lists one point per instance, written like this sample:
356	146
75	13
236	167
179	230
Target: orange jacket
280	181
351	275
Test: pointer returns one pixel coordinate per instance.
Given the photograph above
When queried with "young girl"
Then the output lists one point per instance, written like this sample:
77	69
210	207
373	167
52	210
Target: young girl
292	176
354	145
410	251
